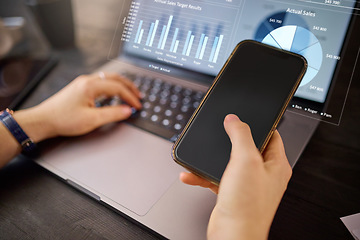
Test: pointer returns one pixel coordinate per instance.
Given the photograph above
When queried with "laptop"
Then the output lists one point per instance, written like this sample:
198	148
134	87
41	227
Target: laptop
172	51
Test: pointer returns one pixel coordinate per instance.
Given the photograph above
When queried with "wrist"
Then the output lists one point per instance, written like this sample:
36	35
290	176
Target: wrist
34	123
223	226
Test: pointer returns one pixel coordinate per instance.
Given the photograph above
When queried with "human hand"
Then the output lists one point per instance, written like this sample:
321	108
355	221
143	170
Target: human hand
72	110
251	187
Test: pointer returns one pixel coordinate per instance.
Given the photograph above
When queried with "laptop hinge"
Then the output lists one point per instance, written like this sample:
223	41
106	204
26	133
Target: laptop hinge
84	190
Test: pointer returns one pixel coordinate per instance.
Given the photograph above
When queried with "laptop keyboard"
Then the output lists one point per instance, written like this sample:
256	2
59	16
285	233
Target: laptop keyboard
166	107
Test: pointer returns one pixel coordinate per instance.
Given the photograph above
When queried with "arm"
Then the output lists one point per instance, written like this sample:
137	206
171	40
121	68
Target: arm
251	188
71	112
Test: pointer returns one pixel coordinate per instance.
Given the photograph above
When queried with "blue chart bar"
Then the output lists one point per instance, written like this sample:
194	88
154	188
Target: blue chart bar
162	36
174	40
186	43
203	47
190	45
217	51
167	32
150	34
213	49
200	45
176	46
140	36
138	32
153	33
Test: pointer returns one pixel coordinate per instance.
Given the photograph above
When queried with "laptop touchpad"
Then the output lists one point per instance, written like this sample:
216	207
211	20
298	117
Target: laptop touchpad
124	164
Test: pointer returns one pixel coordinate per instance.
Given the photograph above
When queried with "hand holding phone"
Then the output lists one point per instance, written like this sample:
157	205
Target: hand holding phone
256	83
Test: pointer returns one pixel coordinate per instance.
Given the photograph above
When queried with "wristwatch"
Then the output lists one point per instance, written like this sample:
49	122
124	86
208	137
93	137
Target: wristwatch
27	144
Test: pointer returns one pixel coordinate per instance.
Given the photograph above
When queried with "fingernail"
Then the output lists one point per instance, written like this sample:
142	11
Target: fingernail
127	110
139	106
231	117
133	111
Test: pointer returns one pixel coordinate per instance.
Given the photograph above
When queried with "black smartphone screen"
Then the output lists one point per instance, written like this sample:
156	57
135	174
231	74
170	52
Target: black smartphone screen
256	84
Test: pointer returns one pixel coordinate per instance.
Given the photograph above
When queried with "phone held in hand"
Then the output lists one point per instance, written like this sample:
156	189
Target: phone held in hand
256	83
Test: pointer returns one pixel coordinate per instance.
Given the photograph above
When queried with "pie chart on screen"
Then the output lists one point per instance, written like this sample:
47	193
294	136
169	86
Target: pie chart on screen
301	41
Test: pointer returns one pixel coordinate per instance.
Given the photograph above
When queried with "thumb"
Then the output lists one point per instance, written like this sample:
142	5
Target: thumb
110	114
240	136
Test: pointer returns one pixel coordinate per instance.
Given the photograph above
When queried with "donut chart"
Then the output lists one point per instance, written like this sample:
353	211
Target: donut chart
276	20
301	41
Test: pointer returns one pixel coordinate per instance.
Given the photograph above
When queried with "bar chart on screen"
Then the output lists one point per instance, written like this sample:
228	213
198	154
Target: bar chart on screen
183	32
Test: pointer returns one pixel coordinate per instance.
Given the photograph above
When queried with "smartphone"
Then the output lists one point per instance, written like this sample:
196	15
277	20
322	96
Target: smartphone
256	83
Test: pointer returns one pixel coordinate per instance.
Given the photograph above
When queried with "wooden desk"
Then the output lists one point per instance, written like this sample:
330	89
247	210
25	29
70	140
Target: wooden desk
34	204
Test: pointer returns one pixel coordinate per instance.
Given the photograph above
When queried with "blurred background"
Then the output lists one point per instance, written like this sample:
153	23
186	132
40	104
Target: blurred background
70	37
45	44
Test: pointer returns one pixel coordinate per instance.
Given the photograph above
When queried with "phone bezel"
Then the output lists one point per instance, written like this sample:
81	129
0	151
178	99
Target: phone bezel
210	90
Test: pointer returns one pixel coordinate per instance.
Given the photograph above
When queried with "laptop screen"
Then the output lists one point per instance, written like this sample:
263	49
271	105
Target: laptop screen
198	36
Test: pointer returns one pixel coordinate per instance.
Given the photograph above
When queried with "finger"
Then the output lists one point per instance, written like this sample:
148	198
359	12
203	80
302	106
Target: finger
129	84
112	88
240	137
192	179
111	114
275	151
275	158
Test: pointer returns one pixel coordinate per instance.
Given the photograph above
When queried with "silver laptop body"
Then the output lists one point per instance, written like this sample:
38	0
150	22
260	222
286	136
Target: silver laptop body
131	169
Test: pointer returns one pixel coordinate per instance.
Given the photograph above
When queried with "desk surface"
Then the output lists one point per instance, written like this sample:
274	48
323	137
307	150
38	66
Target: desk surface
34	204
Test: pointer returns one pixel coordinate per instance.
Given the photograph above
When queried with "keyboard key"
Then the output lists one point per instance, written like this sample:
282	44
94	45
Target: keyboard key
154	91
146	105
167	86
115	101
137	83
177	89
157	109
163	101
180	117
196	104
144	88
152	98
158	82
173	105
199	95
166	122
155	118
178	126
174	98
165	94
187	92
166	107
144	114
186	100
184	109
168	113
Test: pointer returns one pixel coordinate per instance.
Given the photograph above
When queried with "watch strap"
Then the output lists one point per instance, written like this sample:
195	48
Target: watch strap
27	144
